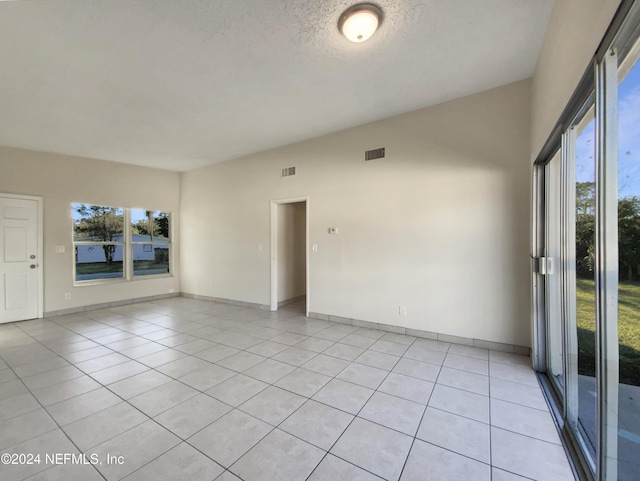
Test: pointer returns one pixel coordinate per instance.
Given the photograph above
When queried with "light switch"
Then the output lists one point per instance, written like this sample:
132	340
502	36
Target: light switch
314	247
60	249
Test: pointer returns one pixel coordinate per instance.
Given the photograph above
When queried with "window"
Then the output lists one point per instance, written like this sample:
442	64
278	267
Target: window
149	242
115	243
628	305
98	237
580	315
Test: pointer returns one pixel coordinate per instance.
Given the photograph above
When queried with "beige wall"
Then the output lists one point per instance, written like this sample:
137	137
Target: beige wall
61	180
439	226
574	32
291	220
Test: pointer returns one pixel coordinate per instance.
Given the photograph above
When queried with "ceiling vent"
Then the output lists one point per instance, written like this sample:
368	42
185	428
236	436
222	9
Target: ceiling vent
288	172
374	154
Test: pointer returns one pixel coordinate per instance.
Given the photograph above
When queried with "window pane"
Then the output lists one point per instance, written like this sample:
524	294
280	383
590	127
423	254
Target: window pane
585	279
95	261
629	269
150	259
149	226
553	279
97	223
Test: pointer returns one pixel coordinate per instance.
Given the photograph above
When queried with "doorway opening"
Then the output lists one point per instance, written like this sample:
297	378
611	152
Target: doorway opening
290	255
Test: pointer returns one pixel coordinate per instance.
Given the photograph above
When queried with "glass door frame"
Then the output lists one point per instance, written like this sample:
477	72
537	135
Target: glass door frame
601	80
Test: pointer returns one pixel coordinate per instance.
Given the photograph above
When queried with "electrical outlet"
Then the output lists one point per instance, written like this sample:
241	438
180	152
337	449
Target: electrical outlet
60	249
67	296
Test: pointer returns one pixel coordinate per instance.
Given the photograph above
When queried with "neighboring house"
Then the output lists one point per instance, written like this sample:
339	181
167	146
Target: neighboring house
145	251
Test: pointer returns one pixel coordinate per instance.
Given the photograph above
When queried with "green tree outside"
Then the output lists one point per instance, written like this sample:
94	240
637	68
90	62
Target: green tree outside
628	288
99	224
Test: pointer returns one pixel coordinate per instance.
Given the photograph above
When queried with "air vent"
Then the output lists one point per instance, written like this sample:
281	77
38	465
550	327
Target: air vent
374	154
288	172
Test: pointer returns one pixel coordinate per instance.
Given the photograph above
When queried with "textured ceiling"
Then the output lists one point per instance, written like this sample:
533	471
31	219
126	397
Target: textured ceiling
178	84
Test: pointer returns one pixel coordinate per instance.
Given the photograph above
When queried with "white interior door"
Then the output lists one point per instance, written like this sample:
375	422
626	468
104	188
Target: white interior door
19	262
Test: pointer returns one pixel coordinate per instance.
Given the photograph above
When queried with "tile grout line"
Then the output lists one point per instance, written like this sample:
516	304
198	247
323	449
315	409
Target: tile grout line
306	401
149	418
270	321
490	423
52	419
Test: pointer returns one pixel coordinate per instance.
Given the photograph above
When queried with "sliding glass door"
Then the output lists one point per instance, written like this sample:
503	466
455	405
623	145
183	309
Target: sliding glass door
587	278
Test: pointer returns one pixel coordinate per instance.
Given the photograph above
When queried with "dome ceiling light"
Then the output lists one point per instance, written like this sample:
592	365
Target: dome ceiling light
360	21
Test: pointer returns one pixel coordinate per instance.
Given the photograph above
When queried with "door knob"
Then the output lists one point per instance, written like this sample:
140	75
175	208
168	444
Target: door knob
33	266
32	256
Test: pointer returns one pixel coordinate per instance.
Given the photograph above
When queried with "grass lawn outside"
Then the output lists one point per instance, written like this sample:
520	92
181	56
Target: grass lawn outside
103	267
628	329
98	267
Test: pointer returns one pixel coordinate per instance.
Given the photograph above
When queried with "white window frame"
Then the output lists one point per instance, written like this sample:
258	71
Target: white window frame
127	251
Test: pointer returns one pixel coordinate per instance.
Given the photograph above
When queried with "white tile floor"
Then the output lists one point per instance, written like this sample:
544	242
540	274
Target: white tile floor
193	390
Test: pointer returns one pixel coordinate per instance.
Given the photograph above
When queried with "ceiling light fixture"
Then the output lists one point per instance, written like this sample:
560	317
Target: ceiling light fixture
360	21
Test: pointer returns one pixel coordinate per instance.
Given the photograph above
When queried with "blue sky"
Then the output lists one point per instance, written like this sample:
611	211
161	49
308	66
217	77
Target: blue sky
629	134
139	214
628	139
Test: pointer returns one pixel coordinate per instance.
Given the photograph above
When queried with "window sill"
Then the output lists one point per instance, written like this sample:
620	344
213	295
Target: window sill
98	282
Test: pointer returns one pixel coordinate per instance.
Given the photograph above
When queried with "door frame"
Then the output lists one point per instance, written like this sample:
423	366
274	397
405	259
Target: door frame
40	223
274	250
